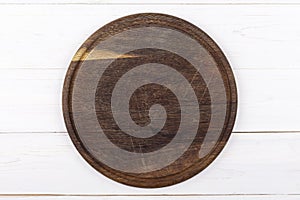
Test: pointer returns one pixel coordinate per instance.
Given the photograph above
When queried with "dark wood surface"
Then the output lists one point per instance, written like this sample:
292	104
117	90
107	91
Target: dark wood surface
125	70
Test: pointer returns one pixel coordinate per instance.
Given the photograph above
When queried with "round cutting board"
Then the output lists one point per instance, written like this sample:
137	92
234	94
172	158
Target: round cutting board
149	100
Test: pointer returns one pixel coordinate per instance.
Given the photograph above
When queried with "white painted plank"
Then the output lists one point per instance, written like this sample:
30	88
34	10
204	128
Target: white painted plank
30	100
141	2
252	36
210	197
250	164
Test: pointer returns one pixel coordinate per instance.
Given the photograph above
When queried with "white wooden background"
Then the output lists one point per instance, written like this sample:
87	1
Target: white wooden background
261	39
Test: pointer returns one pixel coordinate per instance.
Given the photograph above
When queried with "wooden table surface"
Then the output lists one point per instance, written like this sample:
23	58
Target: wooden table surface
261	40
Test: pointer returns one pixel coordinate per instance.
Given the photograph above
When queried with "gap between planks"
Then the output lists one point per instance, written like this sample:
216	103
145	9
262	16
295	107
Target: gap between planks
234	132
140	195
156	3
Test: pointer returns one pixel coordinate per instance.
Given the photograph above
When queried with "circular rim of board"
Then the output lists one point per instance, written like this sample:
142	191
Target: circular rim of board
161	20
